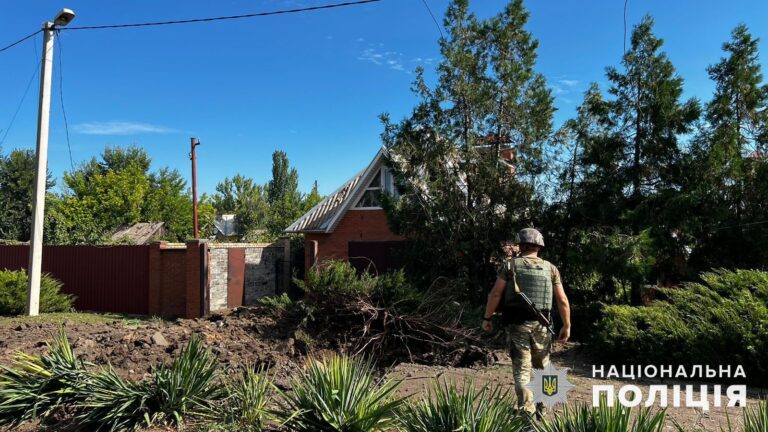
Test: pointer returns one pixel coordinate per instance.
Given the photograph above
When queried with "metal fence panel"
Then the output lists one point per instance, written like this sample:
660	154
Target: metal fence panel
104	279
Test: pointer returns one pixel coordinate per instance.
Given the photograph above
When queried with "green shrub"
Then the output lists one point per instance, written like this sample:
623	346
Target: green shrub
393	290
336	278
277	304
244	407
13	293
34	387
187	387
721	321
338	394
602	418
448	408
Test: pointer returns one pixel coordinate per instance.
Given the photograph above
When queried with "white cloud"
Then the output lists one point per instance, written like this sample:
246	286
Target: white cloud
569	82
390	59
121	128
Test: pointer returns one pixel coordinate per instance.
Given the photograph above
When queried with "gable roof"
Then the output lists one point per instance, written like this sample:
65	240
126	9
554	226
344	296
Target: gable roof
323	217
139	233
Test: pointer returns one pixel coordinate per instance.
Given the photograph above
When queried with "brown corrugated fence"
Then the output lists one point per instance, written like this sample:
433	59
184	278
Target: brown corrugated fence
106	279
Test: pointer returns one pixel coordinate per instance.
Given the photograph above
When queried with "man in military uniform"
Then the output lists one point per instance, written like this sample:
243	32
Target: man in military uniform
529	341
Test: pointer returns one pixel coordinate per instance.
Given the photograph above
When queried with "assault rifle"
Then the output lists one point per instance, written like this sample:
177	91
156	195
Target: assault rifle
539	316
536	312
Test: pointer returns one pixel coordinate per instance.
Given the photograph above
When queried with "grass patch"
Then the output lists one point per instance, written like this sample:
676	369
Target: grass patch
59	318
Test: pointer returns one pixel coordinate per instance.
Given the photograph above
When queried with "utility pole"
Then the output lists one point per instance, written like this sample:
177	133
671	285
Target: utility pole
34	270
194	142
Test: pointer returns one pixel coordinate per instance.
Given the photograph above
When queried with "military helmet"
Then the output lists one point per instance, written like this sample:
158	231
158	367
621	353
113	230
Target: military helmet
529	236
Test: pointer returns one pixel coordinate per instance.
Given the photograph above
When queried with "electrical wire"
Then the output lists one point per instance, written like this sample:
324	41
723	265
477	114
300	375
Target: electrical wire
625	26
61	99
222	18
440	29
21	102
20	41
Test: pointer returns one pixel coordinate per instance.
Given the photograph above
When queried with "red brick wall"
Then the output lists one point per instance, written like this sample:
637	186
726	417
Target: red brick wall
360	225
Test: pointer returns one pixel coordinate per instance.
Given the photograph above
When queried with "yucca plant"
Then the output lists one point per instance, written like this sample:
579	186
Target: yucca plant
338	394
116	403
447	408
244	407
756	418
603	418
186	387
34	387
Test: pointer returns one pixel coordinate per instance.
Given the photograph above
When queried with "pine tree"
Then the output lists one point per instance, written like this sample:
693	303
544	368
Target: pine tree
458	202
627	168
730	166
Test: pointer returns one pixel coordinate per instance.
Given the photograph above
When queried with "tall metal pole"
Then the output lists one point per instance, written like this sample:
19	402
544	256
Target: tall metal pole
41	174
194	142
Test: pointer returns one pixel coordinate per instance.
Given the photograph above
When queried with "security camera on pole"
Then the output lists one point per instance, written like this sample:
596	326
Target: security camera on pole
64	17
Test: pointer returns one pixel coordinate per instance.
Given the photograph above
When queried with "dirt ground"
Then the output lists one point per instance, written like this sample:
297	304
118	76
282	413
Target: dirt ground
134	346
415	378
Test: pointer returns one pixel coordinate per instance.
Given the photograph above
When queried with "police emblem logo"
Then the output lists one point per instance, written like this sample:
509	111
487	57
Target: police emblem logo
549	385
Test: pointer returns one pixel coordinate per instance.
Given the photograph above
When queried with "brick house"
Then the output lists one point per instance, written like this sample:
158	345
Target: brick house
350	224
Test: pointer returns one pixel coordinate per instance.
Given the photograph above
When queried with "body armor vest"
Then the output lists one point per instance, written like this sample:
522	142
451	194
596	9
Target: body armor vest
535	280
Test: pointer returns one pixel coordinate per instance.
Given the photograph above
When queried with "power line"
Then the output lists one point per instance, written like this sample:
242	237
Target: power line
61	99
20	41
440	29
222	18
21	102
625	26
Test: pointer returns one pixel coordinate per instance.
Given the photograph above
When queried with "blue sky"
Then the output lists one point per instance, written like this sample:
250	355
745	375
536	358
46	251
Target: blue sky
312	84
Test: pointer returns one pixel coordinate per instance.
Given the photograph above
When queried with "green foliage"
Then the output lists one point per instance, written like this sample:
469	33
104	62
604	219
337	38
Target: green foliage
17	176
457	202
245	199
336	278
394	291
13	293
756	418
619	194
245	404
312	199
271	207
446	407
331	279
186	387
277	304
602	418
118	190
34	387
338	394
719	321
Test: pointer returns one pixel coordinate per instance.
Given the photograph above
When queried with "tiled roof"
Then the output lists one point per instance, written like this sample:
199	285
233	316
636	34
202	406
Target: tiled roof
322	217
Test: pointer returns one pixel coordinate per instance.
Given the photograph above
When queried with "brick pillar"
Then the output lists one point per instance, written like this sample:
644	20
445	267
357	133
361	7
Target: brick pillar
196	278
156	277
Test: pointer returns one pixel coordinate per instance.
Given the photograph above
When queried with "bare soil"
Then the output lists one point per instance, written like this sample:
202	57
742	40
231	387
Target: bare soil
249	336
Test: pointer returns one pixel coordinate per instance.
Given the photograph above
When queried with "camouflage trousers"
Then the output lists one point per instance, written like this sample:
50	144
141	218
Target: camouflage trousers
529	345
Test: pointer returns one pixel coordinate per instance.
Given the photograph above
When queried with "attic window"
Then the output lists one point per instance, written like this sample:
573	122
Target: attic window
382	181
